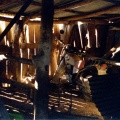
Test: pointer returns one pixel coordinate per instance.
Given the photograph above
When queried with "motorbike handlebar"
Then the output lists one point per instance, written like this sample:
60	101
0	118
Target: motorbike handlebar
73	50
70	49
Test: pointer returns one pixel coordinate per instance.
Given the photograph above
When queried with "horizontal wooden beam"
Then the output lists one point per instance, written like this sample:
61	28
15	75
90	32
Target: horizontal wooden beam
6	19
3	2
57	22
76	12
28	45
18	84
21	60
117	18
113	1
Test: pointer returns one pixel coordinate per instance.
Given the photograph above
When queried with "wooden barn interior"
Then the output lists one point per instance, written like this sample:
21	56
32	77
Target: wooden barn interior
90	26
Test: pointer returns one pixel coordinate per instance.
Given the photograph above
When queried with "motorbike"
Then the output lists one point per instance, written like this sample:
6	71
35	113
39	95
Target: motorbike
76	67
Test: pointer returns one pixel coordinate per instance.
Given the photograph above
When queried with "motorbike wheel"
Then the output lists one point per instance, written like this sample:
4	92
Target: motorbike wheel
83	83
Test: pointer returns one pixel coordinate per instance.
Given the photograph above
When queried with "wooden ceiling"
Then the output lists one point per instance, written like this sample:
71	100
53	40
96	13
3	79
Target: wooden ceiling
107	11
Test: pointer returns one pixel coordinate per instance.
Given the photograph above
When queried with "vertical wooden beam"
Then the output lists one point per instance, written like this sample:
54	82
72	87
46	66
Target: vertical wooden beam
31	40
54	52
25	39
92	40
110	41
102	39
16	18
42	59
16	51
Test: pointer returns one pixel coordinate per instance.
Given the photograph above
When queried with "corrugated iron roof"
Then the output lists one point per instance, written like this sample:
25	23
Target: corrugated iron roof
68	10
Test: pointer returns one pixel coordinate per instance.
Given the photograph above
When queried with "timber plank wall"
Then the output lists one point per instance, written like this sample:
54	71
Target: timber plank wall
22	41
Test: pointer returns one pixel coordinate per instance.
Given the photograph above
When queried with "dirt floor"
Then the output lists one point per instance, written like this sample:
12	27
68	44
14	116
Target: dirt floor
73	103
65	104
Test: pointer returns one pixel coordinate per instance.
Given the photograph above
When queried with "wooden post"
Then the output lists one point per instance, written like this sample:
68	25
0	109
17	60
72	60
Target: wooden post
25	39
16	50
55	50
20	60
42	60
32	41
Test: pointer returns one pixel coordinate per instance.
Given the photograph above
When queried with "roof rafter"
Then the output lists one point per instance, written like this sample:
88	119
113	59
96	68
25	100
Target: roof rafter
94	14
58	9
17	16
